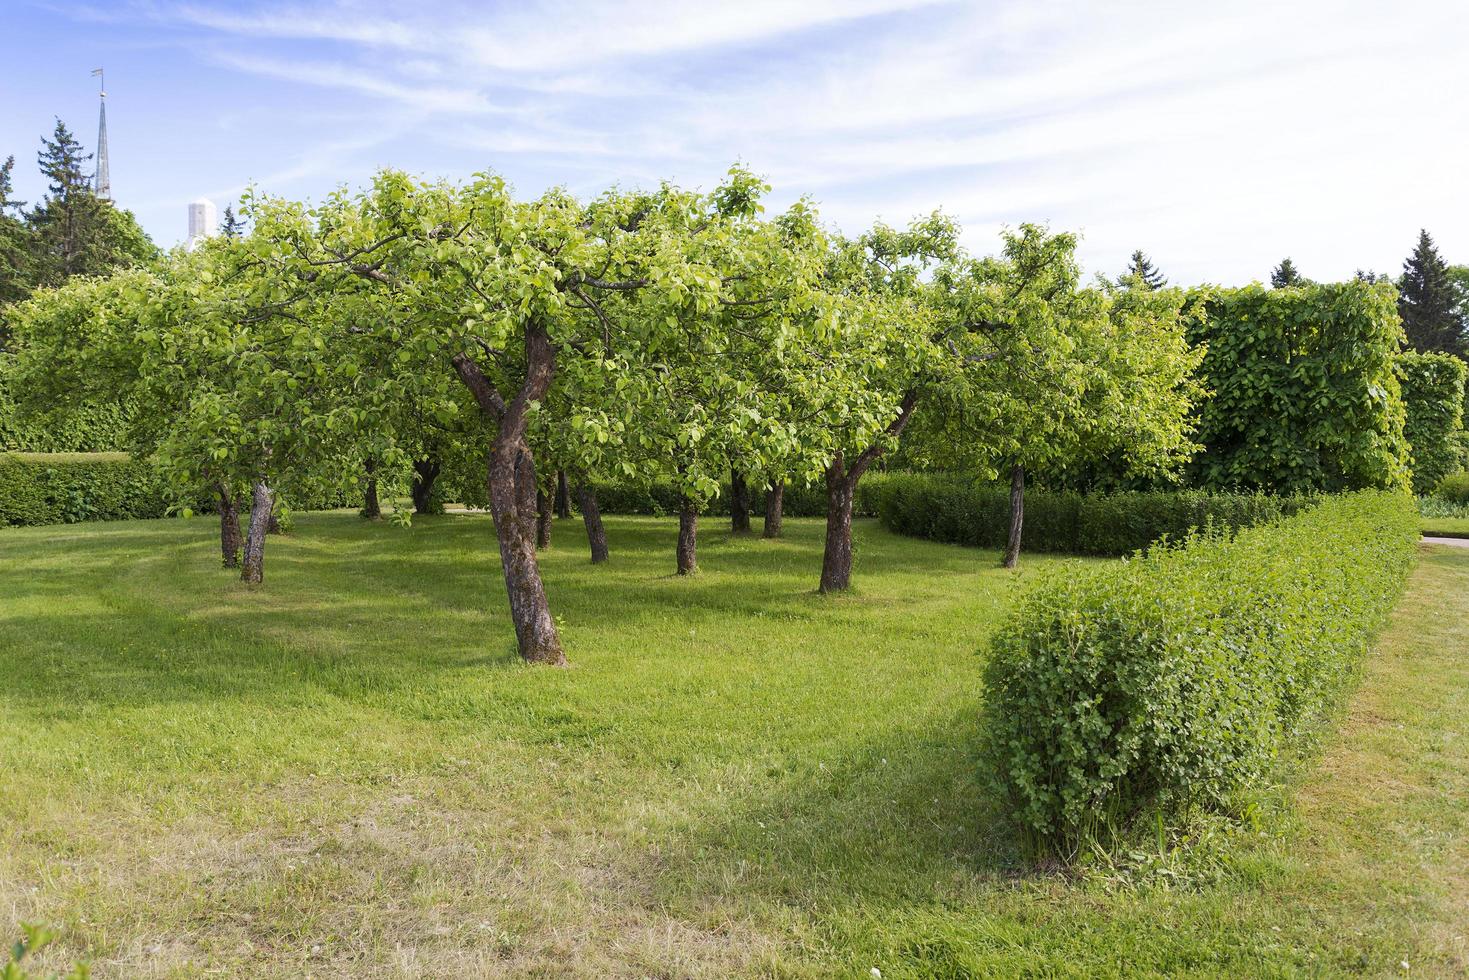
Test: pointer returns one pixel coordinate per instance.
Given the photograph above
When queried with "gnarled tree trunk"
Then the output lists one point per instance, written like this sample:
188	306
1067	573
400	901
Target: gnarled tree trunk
425	472
261	501
591	515
739	503
841	494
774	509
231	542
543	520
512	494
372	509
1017	515
563	495
688	538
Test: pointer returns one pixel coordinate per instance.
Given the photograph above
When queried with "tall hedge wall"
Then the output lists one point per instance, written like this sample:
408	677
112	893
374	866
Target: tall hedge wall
1433	392
96	428
1176	678
1305	396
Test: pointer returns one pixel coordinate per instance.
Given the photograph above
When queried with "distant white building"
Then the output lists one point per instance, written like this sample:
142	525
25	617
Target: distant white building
202	221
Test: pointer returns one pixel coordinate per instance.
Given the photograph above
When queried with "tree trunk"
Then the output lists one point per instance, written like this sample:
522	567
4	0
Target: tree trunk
739	503
1017	515
836	560
774	508
591	515
273	523
543	520
261	501
512	496
688	538
230	540
372	510
425	472
563	495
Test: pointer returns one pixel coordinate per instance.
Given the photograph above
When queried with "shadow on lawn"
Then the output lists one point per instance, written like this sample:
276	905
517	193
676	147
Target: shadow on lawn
908	817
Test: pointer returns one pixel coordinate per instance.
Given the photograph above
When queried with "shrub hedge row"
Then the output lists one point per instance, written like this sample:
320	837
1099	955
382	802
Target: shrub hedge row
64	488
1175	678
1433	391
951	509
93	428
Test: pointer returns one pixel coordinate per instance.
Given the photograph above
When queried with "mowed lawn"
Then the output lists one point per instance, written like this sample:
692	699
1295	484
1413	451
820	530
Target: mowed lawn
348	773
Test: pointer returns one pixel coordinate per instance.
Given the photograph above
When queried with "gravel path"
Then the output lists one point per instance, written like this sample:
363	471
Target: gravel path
1452	542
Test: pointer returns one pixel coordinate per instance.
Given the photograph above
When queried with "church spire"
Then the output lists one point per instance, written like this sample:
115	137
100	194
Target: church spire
102	181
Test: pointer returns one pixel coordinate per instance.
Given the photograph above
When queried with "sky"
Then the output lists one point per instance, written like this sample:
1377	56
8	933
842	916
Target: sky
1218	137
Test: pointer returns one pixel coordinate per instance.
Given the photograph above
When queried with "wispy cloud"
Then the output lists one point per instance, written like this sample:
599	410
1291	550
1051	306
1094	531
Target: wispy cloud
1220	137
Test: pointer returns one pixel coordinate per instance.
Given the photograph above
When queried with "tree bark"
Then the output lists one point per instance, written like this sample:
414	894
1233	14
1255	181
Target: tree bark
543	520
688	538
774	508
512	495
230	540
739	503
591	515
425	472
261	501
841	493
1017	515
372	509
836	560
563	495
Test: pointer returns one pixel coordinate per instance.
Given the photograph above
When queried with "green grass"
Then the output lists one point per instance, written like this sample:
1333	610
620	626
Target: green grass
348	773
1446	527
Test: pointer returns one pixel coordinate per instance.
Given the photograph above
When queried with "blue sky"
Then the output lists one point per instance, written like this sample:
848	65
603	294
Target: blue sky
1219	137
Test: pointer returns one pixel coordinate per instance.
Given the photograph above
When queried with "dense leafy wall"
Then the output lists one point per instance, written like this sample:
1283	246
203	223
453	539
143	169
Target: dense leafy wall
1176	678
1433	392
71	487
1304	392
92	429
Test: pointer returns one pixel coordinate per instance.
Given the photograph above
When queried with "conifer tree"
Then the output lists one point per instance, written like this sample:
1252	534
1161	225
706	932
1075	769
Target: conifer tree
1286	275
231	226
1427	301
14	236
1141	273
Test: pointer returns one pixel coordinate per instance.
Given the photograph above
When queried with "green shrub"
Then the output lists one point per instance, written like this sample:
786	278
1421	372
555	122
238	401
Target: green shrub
1453	488
1433	392
1304	392
1175	678
616	497
65	488
948	508
93	428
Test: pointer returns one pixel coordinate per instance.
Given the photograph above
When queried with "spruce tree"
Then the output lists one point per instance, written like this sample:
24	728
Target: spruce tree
15	274
1428	301
1285	275
1141	273
231	227
72	231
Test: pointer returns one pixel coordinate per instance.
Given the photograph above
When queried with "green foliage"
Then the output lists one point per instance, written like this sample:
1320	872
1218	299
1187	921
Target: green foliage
91	428
1175	678
662	497
956	510
1432	304
1433	395
1453	489
1304	394
1286	275
68	488
34	938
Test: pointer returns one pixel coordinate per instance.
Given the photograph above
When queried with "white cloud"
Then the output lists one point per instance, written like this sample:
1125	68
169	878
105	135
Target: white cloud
1219	137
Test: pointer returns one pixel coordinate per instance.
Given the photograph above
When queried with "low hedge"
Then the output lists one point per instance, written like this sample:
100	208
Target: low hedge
1175	678
1454	489
65	488
958	511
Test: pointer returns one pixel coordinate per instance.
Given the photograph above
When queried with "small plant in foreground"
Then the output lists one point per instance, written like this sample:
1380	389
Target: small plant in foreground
35	938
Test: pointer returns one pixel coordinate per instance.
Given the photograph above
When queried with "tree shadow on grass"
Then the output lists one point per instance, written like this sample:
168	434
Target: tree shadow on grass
908	817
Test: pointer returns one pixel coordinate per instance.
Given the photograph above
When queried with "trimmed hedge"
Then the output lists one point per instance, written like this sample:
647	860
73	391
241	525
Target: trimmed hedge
1453	488
93	428
1433	391
65	488
950	509
1175	678
1304	392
